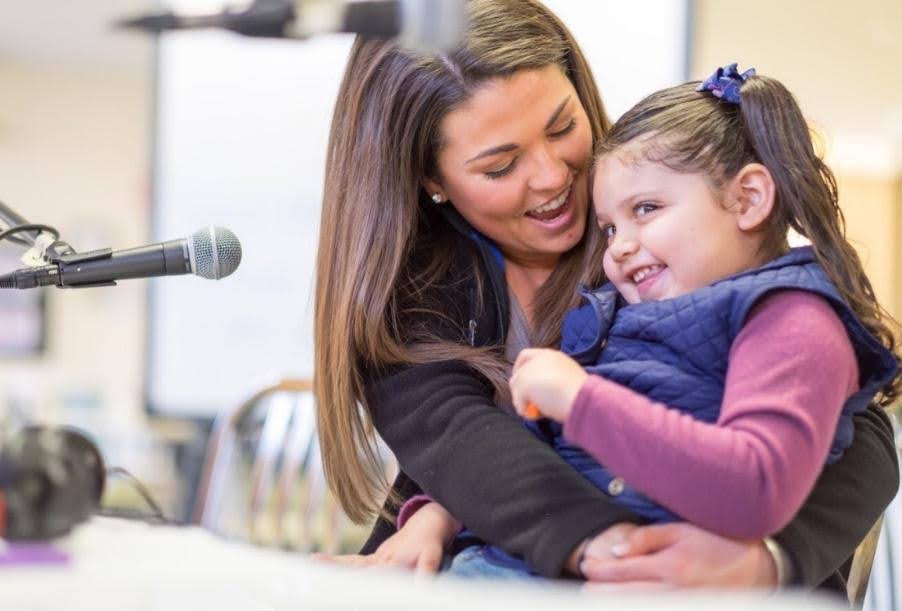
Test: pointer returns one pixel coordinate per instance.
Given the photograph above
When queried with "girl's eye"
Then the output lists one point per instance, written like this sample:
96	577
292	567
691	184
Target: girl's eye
495	174
645	208
566	130
609	231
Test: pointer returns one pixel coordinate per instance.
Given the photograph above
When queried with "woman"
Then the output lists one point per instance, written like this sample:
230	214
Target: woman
454	232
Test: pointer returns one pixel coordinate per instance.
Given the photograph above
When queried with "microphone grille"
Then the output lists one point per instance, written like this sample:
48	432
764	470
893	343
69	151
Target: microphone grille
216	251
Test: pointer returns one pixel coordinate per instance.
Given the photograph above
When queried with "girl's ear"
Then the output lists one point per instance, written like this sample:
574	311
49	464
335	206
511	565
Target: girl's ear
754	192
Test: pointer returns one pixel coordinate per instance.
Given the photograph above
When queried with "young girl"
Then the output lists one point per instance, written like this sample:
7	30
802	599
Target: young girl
716	354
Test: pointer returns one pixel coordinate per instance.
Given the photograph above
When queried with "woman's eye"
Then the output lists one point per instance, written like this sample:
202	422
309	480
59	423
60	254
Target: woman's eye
566	130
492	175
645	208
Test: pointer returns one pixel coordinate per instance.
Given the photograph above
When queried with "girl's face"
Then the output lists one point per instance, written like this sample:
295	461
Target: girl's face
514	163
668	233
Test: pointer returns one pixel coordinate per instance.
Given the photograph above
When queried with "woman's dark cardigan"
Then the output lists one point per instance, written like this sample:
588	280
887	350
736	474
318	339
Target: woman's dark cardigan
512	490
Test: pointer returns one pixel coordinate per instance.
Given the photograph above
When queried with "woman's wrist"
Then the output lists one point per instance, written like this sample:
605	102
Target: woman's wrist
448	526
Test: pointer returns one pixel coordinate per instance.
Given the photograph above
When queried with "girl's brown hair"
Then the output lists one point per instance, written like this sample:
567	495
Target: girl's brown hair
383	143
692	131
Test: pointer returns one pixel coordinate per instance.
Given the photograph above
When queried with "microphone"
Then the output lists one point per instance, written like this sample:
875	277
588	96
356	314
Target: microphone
212	252
423	25
50	480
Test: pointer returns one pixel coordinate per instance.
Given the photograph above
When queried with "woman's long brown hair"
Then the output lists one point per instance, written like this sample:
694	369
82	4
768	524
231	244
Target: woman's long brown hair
383	143
695	132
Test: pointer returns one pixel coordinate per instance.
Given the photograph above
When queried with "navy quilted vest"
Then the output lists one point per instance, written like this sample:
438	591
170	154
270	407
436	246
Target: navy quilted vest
675	352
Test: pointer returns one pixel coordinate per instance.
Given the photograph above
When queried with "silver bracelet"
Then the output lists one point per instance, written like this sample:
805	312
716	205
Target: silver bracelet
781	562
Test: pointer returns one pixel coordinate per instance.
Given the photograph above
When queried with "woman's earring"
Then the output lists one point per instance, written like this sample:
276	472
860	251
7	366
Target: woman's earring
437	198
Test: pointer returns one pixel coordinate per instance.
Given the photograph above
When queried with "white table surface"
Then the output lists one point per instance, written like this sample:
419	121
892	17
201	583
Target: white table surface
122	565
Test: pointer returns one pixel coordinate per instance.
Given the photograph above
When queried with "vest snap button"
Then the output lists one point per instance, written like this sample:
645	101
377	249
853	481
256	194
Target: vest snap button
616	486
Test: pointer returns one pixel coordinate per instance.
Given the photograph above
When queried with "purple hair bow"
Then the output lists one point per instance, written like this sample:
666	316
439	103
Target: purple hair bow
725	83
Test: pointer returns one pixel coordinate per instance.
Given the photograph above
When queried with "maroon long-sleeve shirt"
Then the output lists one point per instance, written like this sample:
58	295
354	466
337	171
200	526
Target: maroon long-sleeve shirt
790	370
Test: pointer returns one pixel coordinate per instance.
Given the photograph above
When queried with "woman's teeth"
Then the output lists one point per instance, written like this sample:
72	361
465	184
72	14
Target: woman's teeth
645	272
549	210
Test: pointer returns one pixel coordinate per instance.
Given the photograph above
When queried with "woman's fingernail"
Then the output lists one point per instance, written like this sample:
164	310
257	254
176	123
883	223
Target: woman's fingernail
620	550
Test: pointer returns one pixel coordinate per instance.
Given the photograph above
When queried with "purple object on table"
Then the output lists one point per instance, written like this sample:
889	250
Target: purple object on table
30	554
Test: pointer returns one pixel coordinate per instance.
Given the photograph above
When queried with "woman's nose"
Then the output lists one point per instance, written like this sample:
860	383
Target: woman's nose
550	173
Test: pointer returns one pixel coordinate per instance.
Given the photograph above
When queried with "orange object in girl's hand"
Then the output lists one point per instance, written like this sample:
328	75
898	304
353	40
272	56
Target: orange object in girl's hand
532	412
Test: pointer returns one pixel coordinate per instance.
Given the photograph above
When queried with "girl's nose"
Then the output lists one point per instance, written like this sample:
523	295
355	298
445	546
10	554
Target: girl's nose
622	246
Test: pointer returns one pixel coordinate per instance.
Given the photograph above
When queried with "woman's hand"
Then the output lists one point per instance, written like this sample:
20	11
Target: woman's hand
677	556
549	379
418	546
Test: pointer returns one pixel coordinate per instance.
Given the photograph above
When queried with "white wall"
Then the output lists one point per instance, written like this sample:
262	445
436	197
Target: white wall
633	47
841	61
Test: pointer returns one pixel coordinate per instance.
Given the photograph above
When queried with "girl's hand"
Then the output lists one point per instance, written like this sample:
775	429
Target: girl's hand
678	556
418	546
549	379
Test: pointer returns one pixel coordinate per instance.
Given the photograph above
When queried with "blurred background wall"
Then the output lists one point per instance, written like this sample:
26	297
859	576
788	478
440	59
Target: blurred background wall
75	148
841	60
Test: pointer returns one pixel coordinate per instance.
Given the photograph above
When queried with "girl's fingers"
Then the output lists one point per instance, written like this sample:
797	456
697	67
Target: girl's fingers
516	394
526	355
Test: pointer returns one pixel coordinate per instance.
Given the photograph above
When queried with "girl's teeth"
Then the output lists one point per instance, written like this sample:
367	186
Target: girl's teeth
644	273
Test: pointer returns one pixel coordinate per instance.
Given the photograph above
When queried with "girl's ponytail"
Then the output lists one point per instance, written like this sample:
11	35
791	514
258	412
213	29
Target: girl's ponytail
807	199
781	140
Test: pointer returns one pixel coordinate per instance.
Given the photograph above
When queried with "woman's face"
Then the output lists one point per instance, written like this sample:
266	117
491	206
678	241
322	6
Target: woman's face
514	163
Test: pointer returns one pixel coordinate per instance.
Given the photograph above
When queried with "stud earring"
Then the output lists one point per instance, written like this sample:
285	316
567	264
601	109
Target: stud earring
437	198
